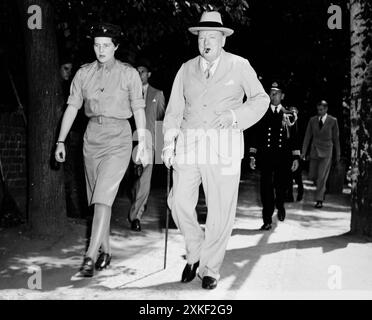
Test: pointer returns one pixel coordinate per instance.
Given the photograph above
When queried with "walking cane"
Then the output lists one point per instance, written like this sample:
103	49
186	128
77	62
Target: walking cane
167	219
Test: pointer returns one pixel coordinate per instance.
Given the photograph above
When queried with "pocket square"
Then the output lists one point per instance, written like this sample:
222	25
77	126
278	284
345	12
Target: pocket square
154	100
229	83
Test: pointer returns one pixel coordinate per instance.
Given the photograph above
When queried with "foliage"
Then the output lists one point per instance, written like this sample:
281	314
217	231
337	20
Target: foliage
144	22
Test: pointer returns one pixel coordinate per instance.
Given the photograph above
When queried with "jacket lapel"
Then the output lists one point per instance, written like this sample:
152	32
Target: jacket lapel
149	95
198	71
221	69
326	122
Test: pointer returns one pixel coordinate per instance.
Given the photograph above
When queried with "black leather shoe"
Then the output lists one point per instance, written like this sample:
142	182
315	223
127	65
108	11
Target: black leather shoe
319	205
281	214
209	283
136	225
87	269
189	272
266	226
103	261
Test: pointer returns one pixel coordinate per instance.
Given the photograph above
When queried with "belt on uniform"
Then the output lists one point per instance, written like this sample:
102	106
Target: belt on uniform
102	119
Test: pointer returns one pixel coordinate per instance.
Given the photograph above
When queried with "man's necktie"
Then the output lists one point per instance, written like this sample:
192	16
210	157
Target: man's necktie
102	78
320	124
208	70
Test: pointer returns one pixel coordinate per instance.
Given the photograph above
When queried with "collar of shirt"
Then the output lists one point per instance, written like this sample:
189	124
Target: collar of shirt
323	118
273	107
108	65
205	63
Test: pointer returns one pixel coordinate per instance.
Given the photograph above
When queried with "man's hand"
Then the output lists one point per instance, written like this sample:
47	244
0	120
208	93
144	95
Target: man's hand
60	153
252	163
224	120
295	165
168	156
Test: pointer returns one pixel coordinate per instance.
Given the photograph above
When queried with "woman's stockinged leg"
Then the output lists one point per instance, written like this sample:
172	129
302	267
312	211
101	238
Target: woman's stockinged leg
106	240
101	225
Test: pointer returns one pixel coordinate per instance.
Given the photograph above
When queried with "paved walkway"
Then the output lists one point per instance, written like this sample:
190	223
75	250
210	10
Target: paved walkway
310	255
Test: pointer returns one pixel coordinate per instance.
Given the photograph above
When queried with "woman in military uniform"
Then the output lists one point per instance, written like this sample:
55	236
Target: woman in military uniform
111	92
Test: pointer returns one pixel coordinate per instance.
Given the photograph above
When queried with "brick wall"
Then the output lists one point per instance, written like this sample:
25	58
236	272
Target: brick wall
13	156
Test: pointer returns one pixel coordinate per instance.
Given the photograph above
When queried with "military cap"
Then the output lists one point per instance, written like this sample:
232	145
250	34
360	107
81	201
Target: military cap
276	85
105	30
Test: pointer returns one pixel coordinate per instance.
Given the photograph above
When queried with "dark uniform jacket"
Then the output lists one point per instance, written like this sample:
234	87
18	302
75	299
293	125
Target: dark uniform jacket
274	139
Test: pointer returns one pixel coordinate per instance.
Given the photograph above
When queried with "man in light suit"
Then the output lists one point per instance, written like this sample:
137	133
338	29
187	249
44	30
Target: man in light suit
203	139
154	111
324	132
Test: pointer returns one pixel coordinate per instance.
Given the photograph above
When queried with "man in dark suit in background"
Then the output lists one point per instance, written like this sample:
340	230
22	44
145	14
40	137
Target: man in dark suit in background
154	111
275	145
324	132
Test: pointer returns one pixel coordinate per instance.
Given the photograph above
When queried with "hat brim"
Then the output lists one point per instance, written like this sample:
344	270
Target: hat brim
226	31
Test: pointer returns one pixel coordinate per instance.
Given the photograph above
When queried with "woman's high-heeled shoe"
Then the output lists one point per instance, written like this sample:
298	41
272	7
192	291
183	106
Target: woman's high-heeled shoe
87	269
103	261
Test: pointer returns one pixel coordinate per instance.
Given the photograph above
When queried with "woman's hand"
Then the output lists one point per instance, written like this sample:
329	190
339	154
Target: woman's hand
142	154
60	153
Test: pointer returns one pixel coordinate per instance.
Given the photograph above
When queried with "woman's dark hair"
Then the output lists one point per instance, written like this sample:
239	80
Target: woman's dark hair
115	41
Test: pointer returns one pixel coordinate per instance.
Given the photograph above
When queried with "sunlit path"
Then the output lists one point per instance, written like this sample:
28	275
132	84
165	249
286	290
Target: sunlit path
296	259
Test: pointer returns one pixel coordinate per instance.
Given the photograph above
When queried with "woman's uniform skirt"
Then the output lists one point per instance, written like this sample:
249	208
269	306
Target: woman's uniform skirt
107	151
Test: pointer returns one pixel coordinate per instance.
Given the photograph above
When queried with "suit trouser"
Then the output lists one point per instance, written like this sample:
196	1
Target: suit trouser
221	191
141	192
273	185
318	172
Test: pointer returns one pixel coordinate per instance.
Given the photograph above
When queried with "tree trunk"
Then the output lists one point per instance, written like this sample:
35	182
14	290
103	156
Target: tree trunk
46	197
361	116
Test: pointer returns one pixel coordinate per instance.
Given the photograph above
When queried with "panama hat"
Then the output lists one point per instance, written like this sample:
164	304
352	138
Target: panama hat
211	21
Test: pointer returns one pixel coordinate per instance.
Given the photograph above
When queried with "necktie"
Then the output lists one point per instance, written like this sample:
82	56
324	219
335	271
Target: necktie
143	92
320	123
208	70
276	109
102	78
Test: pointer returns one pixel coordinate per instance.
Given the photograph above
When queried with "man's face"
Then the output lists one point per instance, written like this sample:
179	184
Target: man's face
322	110
104	49
144	74
276	97
211	44
66	70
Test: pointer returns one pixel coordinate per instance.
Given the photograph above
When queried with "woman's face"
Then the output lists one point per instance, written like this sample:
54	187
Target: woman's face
104	49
